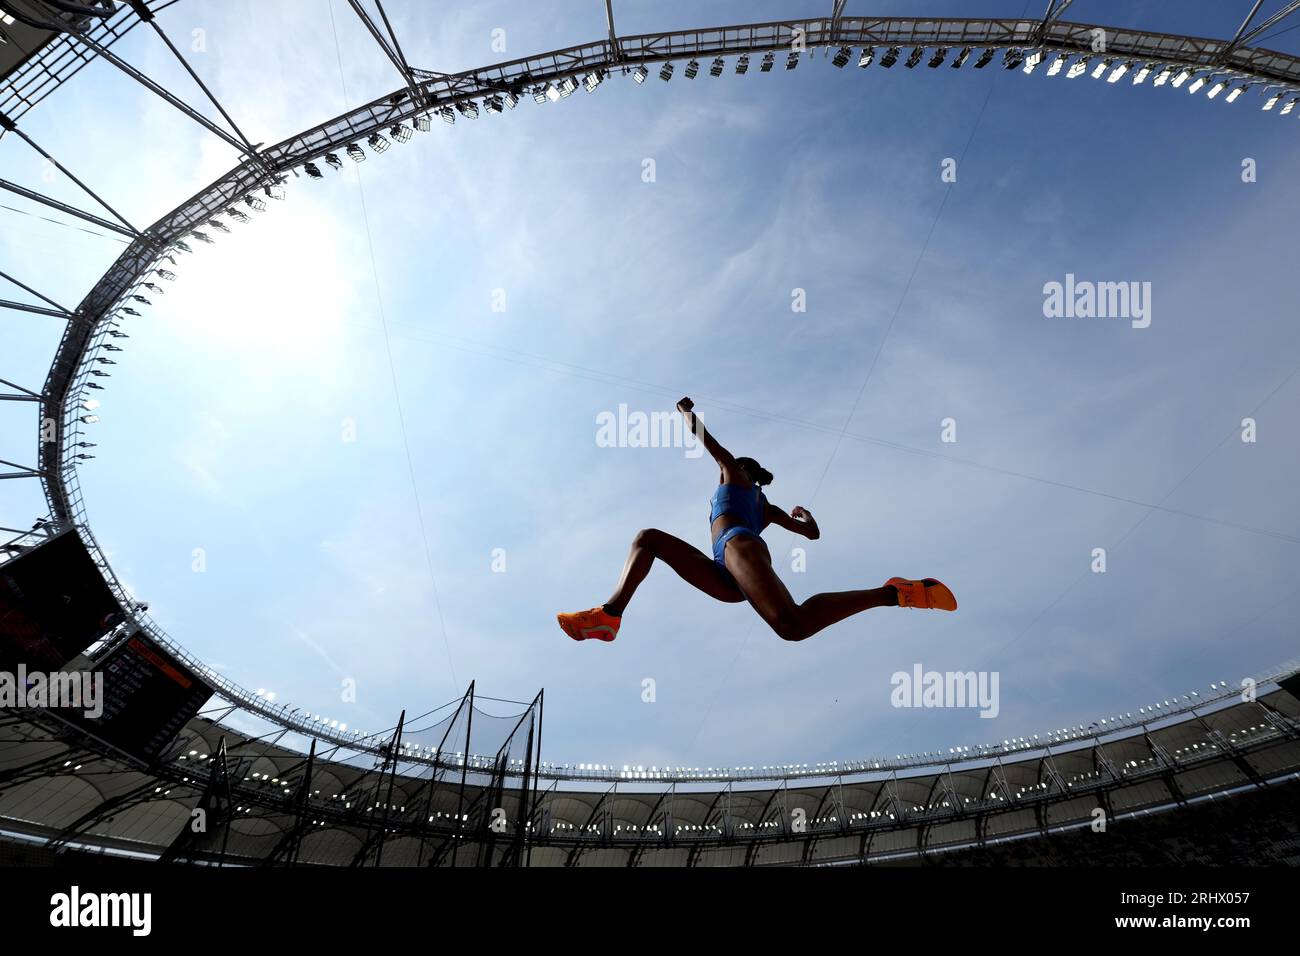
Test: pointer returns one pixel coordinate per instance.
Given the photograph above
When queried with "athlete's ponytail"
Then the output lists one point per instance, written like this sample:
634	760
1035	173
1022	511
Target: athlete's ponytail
756	472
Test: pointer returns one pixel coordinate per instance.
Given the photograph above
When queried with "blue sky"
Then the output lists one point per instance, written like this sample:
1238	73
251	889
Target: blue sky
223	427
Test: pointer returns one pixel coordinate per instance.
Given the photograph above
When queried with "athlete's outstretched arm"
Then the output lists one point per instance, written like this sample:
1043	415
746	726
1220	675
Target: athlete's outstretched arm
799	520
726	461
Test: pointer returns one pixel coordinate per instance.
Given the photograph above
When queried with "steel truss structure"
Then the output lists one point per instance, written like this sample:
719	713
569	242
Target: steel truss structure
91	329
223	798
218	797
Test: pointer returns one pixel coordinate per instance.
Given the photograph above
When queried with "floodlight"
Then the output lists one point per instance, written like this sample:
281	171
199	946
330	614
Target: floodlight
868	54
890	57
914	57
692	69
936	61
985	58
666	73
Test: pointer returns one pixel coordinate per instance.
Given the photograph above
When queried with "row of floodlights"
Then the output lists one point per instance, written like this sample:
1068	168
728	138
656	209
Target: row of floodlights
1174	74
1012	58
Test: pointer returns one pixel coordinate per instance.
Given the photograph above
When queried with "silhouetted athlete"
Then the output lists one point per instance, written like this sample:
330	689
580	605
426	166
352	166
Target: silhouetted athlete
741	569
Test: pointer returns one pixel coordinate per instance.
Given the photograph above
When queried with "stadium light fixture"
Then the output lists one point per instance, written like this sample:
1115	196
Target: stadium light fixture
868	54
448	115
639	74
666	73
400	132
1197	84
1164	76
493	104
592	81
1141	75
569	86
1012	58
692	69
1232	97
842	55
377	143
257	205
960	58
914	57
512	99
553	93
90	404
1058	64
937	59
1288	108
985	58
312	170
423	123
1118	73
768	59
792	60
539	95
355	153
1182	77
1272	101
890	57
89	419
1033	60
1101	68
716	67
1077	69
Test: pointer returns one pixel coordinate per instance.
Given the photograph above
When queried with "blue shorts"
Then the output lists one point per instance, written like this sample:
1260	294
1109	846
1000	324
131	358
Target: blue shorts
720	548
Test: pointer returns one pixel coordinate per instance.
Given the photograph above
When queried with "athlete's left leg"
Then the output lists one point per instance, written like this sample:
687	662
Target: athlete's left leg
749	562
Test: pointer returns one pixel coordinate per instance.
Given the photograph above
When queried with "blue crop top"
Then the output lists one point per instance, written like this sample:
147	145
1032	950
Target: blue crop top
740	502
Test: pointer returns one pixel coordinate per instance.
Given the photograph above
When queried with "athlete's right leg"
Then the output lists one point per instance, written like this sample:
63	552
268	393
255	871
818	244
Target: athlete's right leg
690	563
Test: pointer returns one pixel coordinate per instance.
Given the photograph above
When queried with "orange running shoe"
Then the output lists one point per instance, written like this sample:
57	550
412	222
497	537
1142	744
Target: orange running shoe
927	593
590	625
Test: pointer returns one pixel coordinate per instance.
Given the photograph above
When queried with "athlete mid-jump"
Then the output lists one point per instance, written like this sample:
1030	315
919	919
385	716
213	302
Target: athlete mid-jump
741	569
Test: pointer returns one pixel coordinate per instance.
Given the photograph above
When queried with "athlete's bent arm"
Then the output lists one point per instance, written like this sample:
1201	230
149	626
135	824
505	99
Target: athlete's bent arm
799	520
